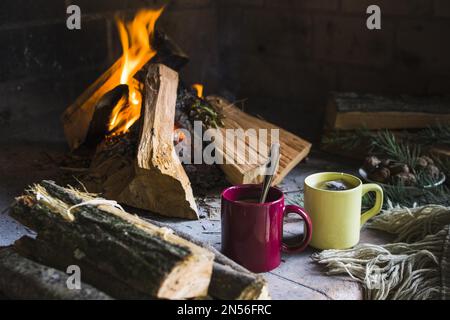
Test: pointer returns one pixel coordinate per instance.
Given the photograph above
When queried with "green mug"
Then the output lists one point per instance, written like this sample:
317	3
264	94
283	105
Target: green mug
336	215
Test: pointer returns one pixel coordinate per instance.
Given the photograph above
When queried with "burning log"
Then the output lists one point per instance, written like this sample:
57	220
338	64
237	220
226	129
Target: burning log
137	52
99	126
22	278
77	117
152	177
113	243
169	53
249	167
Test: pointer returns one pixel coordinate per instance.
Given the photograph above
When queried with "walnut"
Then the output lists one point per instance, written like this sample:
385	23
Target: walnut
386	162
433	171
428	160
380	175
371	163
405	179
398	168
424	161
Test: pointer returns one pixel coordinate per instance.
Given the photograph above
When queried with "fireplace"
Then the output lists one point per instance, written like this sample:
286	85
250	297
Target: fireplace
105	107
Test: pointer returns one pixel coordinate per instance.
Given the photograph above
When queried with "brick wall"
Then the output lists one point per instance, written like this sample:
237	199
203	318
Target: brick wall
292	53
281	56
44	66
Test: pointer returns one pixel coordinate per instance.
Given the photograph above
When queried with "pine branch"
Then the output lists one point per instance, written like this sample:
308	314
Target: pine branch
439	134
385	143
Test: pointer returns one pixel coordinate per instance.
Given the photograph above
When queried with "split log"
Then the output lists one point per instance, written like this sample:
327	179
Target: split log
22	278
128	250
229	280
78	116
154	178
249	167
351	111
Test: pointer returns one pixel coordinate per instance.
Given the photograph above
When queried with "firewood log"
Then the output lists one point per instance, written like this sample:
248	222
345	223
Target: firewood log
168	52
21	278
249	167
98	127
56	257
143	256
154	179
352	111
78	116
229	280
229	284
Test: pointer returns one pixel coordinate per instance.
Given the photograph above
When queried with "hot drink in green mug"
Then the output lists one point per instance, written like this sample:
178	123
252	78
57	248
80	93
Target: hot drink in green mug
333	201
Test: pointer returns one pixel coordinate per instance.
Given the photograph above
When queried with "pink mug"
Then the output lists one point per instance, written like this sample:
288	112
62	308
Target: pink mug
252	232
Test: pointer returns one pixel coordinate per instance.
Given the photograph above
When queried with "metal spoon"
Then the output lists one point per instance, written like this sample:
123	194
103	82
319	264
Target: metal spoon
271	169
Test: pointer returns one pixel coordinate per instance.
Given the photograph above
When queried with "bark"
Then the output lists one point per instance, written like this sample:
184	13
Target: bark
22	278
115	243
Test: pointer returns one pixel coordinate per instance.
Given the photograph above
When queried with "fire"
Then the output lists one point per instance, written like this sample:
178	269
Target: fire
126	113
135	38
199	88
179	135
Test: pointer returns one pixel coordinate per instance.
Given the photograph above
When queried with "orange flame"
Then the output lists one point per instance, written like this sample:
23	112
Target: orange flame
126	113
199	88
179	135
135	38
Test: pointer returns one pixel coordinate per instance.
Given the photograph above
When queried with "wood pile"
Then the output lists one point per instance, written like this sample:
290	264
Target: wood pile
150	177
138	166
118	253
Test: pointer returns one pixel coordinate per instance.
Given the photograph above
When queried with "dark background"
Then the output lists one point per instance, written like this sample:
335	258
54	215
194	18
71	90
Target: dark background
282	56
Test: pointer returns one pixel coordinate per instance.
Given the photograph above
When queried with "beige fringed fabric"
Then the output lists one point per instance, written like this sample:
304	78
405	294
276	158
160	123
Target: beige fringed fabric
416	266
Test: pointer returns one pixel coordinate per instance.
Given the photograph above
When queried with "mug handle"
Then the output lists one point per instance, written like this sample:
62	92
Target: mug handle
307	233
378	201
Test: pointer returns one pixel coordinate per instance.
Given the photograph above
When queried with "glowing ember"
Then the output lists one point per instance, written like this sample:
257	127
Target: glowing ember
179	135
199	88
135	38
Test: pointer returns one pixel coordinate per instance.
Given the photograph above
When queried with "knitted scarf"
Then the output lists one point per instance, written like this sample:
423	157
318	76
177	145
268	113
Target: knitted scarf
415	266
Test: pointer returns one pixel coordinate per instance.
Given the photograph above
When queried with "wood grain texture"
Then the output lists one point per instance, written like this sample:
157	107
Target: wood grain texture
248	167
155	179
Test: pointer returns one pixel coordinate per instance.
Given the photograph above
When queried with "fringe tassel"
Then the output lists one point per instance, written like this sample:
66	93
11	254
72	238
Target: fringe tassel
400	271
412	224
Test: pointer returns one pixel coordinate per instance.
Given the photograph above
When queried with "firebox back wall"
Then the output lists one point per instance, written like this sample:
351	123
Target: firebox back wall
282	56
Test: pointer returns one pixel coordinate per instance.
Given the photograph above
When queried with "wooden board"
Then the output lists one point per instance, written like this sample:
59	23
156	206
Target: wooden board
293	148
350	111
